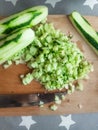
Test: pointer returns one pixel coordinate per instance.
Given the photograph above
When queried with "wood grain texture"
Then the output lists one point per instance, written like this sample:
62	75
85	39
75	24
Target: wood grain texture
11	84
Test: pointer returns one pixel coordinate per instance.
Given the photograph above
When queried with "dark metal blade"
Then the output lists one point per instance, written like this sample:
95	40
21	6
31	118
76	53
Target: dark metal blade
20	100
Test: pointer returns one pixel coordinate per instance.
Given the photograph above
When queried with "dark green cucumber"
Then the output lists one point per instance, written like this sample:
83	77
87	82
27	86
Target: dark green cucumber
26	18
15	42
85	29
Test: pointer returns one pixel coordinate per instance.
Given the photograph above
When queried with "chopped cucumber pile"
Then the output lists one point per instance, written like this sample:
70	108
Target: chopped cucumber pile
54	59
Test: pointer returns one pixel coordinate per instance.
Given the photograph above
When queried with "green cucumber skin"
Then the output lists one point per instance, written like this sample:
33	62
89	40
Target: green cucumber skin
15	42
6	42
92	41
37	13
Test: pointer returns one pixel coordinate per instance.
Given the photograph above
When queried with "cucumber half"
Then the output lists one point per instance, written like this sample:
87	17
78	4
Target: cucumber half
85	29
26	18
15	42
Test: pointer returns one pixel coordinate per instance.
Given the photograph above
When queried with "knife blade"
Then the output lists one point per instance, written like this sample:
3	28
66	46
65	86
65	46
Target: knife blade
19	100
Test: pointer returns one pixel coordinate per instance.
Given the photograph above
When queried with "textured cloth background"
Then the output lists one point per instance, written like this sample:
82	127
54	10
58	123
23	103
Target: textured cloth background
87	7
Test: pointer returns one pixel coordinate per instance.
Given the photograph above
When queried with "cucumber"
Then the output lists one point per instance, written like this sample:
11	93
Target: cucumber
26	18
15	42
85	29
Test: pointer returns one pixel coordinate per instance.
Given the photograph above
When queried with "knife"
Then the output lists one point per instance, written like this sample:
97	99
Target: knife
19	100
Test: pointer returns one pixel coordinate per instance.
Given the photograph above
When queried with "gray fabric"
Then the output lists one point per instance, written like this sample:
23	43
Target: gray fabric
78	121
62	7
83	122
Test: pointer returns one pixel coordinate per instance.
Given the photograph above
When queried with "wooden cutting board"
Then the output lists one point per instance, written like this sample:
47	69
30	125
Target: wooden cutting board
11	84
